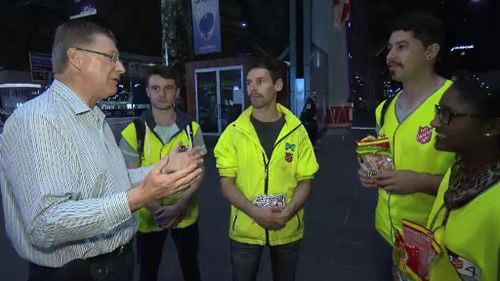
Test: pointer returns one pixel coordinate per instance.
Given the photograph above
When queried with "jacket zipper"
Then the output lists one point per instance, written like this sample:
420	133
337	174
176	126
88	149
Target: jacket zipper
391	230
235	217
266	169
266	184
298	219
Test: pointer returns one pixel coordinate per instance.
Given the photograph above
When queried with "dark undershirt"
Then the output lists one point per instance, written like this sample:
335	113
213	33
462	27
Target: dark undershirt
268	133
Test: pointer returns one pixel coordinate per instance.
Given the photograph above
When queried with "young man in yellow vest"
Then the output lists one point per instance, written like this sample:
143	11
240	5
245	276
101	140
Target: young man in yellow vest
408	191
143	143
266	163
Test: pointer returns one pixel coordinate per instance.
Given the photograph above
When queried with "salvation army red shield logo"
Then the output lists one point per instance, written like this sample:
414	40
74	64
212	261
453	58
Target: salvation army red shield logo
288	157
424	134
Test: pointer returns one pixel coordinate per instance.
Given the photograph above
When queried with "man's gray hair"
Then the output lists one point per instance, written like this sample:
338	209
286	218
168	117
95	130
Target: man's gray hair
74	33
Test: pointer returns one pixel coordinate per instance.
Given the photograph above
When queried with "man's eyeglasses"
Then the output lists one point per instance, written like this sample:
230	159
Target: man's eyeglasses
114	58
445	115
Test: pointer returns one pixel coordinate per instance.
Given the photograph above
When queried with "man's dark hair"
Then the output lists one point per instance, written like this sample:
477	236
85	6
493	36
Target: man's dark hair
272	65
165	72
74	33
426	28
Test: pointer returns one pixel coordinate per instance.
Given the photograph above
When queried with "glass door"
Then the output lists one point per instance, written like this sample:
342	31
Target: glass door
207	101
231	95
219	97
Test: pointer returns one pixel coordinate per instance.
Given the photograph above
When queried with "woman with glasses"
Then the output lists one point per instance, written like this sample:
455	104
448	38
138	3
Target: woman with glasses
465	218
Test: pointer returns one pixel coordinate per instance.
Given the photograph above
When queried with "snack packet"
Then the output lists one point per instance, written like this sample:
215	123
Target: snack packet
267	200
413	251
374	155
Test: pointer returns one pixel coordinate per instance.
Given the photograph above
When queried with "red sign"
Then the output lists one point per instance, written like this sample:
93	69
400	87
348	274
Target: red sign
424	134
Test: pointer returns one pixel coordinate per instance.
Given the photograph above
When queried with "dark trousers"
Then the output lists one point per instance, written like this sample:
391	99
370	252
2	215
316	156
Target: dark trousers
381	253
150	246
245	259
115	266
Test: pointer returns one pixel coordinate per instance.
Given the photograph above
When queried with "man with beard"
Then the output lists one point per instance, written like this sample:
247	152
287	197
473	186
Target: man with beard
266	164
408	191
144	142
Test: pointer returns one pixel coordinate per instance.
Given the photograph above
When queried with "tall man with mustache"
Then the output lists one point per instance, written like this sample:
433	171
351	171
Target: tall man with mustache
408	191
266	163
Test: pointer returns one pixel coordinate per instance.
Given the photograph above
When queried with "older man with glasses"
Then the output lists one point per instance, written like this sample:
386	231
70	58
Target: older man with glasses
68	196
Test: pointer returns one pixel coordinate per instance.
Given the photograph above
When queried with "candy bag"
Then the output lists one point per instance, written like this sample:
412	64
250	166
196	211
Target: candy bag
374	155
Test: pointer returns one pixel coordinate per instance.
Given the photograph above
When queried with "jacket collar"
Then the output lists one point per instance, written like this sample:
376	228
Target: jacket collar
71	98
181	120
243	122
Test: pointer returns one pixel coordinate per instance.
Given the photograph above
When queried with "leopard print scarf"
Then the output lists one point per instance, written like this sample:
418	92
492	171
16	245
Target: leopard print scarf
465	187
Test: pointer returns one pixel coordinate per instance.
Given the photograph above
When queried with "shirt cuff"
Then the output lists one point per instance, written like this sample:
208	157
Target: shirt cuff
230	173
117	210
302	178
136	176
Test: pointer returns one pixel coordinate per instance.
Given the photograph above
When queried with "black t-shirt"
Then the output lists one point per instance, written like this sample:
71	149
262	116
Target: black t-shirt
268	133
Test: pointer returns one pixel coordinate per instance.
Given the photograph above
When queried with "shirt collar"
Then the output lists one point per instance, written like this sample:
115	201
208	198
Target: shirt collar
70	97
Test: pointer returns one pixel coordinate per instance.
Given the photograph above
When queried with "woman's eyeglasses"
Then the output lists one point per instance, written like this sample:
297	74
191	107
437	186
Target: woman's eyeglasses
445	115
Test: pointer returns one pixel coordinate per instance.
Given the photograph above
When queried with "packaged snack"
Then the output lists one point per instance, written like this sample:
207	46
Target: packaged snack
374	155
267	200
413	251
